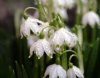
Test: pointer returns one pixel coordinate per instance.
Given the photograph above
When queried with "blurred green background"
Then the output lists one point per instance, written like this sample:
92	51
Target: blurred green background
14	62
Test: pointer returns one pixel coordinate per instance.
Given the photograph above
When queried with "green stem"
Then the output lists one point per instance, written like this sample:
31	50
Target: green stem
78	15
17	22
41	65
80	56
70	58
79	48
64	61
85	34
35	68
64	58
26	9
94	34
50	9
39	9
69	51
58	61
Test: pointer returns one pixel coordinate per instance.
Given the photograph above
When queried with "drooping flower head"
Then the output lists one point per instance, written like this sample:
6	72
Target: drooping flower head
74	72
31	25
55	71
63	36
40	47
91	18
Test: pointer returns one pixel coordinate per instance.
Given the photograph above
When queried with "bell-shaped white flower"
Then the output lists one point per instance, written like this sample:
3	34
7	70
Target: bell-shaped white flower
91	18
31	24
41	46
62	36
55	71
74	72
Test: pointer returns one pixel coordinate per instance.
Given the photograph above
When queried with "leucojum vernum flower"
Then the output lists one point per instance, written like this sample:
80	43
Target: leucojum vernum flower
48	36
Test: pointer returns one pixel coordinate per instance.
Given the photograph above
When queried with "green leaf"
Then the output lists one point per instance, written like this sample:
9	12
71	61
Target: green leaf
24	73
86	52
11	72
92	59
18	70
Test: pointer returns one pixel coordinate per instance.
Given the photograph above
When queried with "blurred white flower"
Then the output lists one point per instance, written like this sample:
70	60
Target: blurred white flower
59	3
58	7
44	2
62	12
31	24
61	36
64	3
74	72
61	6
85	1
41	46
55	71
70	3
91	18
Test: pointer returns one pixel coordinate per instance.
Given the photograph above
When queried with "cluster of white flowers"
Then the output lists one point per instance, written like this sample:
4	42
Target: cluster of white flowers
89	17
61	6
55	71
40	43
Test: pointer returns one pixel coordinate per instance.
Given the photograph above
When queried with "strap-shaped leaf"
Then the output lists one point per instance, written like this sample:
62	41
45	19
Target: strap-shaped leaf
18	70
24	73
11	72
92	59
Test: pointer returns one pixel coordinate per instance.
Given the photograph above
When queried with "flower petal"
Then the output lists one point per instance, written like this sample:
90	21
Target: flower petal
47	48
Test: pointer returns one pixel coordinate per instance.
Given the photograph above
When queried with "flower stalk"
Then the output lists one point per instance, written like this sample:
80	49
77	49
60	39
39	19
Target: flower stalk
79	48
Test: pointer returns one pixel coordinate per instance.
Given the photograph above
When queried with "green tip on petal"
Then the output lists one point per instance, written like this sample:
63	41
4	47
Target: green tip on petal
50	56
39	57
57	46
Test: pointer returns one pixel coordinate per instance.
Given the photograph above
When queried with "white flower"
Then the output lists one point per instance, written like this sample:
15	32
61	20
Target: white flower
85	1
62	36
41	46
31	24
70	3
60	3
91	18
62	12
74	72
59	7
31	40
55	71
64	3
